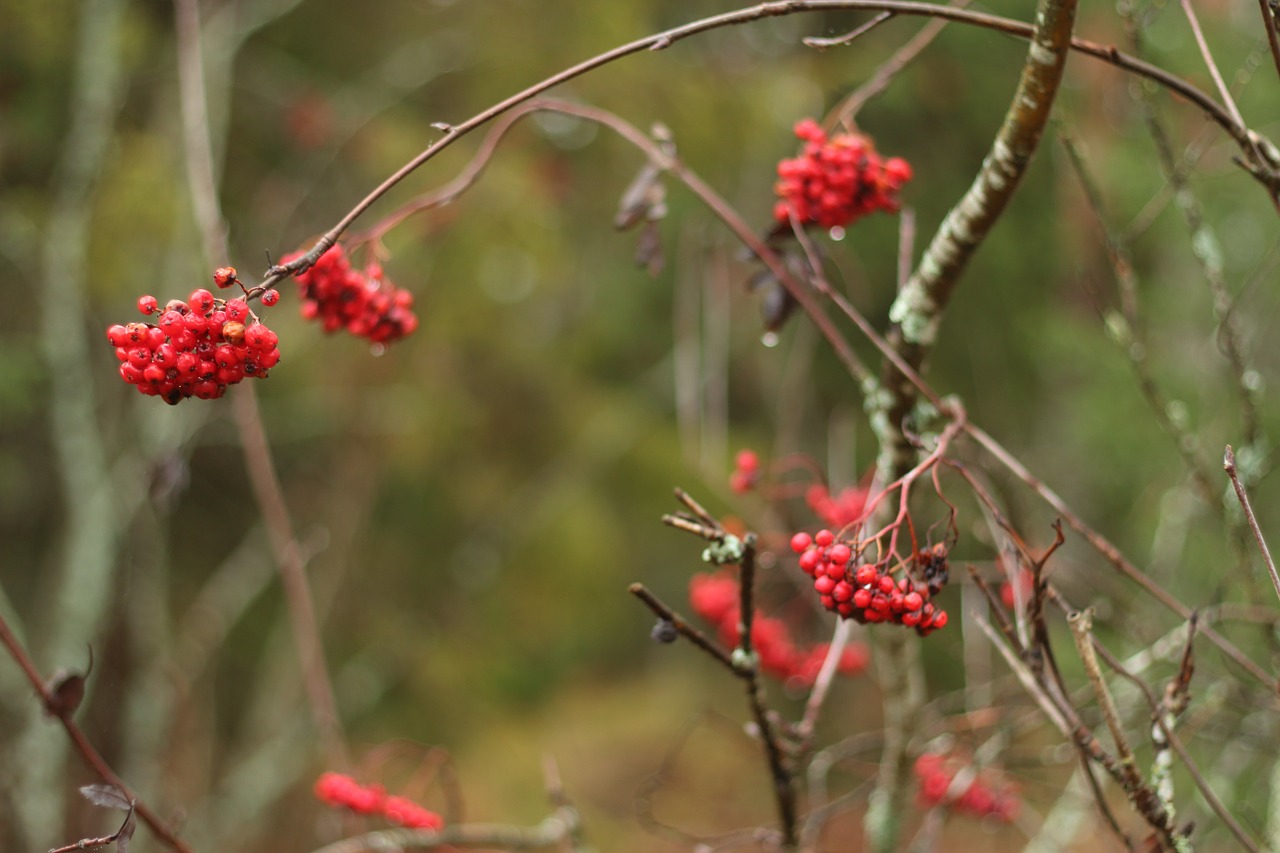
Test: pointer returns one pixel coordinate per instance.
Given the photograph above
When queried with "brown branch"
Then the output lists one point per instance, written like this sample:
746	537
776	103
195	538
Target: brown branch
81	742
682	626
1111	553
1249	142
1229	465
268	494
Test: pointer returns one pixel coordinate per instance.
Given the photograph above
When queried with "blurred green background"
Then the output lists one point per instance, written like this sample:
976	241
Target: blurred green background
474	502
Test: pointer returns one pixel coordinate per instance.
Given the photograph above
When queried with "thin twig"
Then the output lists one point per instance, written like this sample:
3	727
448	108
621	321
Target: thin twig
849	37
554	830
682	626
1245	139
82	743
1229	465
1270	25
1223	91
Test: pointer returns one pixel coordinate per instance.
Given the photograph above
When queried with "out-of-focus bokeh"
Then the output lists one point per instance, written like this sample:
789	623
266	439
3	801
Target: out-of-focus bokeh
473	502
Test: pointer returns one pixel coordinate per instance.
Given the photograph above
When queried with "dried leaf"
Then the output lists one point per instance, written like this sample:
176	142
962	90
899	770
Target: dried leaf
108	796
66	690
125	834
649	253
643	199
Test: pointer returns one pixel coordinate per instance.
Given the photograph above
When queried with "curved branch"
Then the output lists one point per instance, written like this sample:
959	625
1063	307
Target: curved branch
1250	143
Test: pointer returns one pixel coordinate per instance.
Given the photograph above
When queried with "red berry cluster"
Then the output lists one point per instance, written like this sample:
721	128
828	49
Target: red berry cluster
836	510
838	180
746	471
865	592
341	791
714	597
195	348
980	799
364	303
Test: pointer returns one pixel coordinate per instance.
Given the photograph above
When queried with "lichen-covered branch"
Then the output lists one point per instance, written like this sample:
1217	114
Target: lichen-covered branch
916	316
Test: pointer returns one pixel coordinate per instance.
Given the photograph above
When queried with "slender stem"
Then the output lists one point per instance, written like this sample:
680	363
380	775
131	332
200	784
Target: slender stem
1244	138
269	496
82	743
1223	91
682	626
1270	25
1229	465
553	831
1081	624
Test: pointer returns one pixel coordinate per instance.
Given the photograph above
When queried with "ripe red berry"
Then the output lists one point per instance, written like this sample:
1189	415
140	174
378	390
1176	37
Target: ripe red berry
799	543
824	538
270	297
148	304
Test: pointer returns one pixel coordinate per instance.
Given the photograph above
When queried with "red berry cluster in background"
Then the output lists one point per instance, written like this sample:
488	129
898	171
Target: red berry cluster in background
1026	583
195	348
714	597
866	592
935	774
838	180
837	510
746	471
341	791
364	303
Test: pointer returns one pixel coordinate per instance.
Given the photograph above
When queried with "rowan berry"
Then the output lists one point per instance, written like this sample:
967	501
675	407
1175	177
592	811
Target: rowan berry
270	297
148	304
801	542
224	276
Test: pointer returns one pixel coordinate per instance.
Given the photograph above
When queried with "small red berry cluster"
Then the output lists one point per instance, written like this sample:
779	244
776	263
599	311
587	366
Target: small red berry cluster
836	510
714	597
341	791
746	471
195	348
365	303
838	180
980	799
866	592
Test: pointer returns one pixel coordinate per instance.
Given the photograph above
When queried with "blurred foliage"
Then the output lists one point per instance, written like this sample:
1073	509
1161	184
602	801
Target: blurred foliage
476	500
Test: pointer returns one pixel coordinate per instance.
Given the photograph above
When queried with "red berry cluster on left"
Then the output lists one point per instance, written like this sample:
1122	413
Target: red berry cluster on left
862	591
837	180
714	597
980	798
341	791
195	348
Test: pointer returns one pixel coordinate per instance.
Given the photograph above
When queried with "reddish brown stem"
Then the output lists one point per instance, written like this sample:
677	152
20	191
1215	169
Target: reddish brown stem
81	742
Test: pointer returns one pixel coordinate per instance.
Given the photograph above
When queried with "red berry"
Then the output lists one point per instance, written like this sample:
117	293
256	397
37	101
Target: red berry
224	276
237	310
148	304
201	301
824	538
799	543
270	297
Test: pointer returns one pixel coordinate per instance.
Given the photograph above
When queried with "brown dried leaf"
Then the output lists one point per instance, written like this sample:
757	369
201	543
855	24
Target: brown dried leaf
108	796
